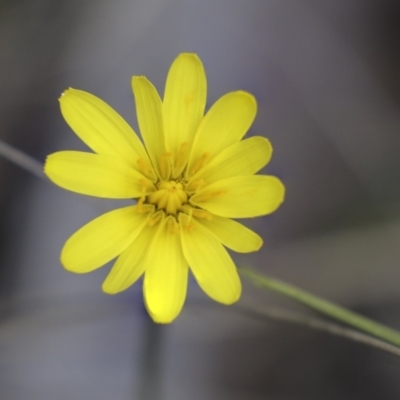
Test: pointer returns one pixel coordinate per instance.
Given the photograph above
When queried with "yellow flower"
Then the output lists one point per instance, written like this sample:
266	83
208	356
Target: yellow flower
191	176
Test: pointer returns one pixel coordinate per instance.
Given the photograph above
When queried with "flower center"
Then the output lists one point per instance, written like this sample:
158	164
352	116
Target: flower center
170	196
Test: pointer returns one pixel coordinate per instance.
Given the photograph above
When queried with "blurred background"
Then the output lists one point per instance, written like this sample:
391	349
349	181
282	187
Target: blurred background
326	74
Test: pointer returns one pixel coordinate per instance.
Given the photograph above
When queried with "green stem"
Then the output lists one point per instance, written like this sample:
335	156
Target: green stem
325	307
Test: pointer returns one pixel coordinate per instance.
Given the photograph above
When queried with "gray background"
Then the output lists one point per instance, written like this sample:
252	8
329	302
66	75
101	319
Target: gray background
326	74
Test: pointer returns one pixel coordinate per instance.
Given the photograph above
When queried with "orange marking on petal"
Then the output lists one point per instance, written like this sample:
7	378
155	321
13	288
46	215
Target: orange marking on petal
145	168
182	156
195	185
208	196
172	226
203	214
200	163
165	165
155	219
148	187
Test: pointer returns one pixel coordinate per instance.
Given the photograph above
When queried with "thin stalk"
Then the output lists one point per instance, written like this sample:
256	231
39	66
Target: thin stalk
290	317
325	307
21	159
150	362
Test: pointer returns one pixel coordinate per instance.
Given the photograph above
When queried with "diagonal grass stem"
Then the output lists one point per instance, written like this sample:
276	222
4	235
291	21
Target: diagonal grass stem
325	307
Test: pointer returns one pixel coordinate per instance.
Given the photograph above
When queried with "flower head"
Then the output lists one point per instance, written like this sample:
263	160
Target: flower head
192	174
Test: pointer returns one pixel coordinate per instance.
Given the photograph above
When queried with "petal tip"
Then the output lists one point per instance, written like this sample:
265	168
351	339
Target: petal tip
107	289
62	95
259	244
249	97
189	58
67	266
283	190
162	321
136	78
162	318
235	297
66	92
189	55
46	164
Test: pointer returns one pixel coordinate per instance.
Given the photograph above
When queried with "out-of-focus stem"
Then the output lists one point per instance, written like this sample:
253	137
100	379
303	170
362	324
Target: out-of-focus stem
332	310
21	159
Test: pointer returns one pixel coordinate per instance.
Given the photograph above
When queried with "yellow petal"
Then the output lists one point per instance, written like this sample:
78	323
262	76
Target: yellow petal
243	158
225	123
210	263
95	175
183	106
102	239
232	234
241	197
165	280
129	266
101	127
149	114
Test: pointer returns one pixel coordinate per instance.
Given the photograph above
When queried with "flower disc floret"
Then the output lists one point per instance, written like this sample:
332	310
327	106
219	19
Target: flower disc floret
169	196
